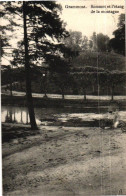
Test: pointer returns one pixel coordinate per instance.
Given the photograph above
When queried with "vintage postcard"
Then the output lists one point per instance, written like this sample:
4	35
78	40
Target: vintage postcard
63	98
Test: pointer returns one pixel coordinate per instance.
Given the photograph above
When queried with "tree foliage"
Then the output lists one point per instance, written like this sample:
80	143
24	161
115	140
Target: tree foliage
118	42
100	42
43	31
94	41
76	42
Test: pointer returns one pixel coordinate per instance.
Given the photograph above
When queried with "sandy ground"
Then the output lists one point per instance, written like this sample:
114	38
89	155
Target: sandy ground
63	161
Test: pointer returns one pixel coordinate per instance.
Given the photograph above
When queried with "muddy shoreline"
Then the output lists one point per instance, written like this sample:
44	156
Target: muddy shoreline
64	161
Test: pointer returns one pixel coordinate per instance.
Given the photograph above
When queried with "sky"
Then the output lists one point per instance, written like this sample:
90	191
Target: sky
81	19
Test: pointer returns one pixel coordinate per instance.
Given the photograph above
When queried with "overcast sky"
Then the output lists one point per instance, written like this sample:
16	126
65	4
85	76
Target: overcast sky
81	19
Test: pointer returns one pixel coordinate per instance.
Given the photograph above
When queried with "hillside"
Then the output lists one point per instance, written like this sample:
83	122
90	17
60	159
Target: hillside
110	61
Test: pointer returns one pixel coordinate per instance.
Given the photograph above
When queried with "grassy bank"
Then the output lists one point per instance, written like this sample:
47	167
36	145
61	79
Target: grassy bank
13	132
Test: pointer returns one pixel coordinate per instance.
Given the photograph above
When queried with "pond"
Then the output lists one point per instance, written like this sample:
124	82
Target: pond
54	116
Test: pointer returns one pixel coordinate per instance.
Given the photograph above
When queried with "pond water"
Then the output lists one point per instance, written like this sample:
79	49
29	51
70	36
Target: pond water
45	116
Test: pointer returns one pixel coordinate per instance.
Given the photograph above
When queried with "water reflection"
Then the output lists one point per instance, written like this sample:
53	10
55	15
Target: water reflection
14	115
10	116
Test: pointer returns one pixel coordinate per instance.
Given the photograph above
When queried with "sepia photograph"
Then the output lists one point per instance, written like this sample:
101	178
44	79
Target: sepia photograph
63	98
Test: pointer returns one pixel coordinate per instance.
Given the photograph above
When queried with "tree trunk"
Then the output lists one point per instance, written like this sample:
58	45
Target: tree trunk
45	90
112	90
21	85
10	115
14	116
93	88
45	94
26	117
27	74
85	97
11	94
63	94
45	87
21	117
84	94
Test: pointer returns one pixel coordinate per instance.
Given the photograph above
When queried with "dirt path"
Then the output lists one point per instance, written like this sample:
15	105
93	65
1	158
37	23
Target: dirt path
71	97
64	161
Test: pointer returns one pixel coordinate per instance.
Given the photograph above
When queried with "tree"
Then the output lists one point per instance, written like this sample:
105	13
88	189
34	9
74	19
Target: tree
85	83
4	45
94	41
40	21
103	81
6	76
27	72
84	43
76	42
62	80
84	79
90	44
114	79
44	83
102	42
4	41
118	42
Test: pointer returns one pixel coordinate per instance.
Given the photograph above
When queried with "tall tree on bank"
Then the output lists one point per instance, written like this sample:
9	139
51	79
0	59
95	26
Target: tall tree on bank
27	72
118	42
41	21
